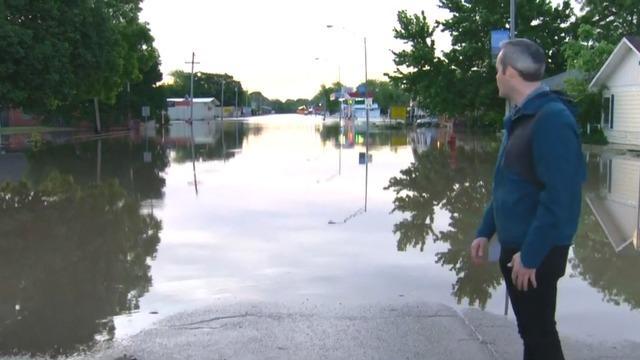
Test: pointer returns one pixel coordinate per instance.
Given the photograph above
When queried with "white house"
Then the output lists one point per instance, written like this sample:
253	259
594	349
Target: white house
619	78
203	109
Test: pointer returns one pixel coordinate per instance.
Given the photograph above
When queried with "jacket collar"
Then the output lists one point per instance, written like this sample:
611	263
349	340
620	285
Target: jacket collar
530	105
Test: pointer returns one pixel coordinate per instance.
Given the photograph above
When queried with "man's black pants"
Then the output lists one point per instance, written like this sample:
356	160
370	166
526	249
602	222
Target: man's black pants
535	309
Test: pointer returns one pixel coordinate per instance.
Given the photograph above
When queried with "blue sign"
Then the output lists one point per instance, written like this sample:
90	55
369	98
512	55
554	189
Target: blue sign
497	37
362	90
364	159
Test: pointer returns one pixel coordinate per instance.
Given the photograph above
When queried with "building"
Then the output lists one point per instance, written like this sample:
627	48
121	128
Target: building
203	109
558	82
619	78
17	117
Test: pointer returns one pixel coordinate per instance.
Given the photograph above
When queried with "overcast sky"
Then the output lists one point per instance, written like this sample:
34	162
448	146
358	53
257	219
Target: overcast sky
282	48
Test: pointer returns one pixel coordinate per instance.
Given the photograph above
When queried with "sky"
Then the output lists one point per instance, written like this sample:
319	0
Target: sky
282	48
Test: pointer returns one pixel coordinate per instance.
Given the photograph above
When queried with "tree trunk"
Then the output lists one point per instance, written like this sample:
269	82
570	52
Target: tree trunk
97	108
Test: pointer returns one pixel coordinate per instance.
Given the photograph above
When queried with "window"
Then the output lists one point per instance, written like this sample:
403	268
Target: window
611	107
607	111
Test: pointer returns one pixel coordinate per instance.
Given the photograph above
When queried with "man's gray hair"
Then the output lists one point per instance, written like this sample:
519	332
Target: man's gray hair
524	56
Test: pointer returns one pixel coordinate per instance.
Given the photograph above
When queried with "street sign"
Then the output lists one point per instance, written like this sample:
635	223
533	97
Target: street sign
146	111
362	156
147	157
368	102
497	37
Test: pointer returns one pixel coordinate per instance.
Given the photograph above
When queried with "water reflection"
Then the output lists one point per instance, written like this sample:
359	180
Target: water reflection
213	140
457	179
71	256
606	248
94	161
350	136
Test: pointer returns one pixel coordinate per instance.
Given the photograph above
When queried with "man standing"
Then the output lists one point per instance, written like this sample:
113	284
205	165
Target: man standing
536	196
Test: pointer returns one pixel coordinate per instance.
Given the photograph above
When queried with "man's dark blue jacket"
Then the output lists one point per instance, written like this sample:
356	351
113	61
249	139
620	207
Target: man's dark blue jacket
538	179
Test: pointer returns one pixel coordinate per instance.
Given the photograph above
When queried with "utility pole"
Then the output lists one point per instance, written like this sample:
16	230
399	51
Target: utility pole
193	150
512	21
235	110
222	102
96	107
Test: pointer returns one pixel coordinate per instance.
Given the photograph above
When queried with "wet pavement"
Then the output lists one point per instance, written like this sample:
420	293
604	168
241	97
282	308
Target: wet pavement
334	331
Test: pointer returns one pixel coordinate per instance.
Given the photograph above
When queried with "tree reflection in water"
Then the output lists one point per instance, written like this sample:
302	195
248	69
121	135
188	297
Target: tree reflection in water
71	256
457	180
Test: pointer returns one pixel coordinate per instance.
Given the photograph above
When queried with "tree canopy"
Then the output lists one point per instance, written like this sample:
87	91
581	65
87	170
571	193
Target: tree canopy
59	54
602	26
441	83
206	85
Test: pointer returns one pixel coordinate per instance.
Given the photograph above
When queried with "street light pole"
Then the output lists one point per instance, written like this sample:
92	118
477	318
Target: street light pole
235	110
366	106
512	19
222	102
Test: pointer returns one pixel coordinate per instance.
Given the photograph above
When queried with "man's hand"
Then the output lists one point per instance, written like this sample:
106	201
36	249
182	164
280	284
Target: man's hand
521	275
478	250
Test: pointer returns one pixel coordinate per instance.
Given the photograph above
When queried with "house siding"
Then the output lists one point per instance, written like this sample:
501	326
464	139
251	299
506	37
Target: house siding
626	112
627	73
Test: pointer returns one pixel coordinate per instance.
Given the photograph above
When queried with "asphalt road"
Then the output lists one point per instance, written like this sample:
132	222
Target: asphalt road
336	331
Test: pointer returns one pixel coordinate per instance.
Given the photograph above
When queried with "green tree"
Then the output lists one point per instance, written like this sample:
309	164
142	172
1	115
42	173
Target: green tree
35	65
323	97
63	54
602	25
585	55
387	94
611	19
206	85
442	83
289	106
418	67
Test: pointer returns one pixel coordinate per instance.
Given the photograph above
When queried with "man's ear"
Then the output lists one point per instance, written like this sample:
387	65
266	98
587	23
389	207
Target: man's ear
511	73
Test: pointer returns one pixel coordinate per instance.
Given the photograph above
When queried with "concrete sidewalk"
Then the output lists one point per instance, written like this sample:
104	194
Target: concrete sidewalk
386	331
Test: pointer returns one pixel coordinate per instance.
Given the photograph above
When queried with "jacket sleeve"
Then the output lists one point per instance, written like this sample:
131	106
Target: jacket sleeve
487	226
559	165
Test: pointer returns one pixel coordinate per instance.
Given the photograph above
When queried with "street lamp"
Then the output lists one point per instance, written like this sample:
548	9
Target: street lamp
512	19
367	105
222	102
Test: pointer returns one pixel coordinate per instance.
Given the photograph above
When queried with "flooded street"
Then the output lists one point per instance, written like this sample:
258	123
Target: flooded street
109	236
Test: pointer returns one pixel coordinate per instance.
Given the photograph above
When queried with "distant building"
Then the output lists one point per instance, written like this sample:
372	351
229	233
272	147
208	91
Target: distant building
17	117
558	82
203	109
620	79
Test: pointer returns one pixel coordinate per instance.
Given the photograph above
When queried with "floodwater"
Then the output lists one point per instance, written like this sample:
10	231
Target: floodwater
107	236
